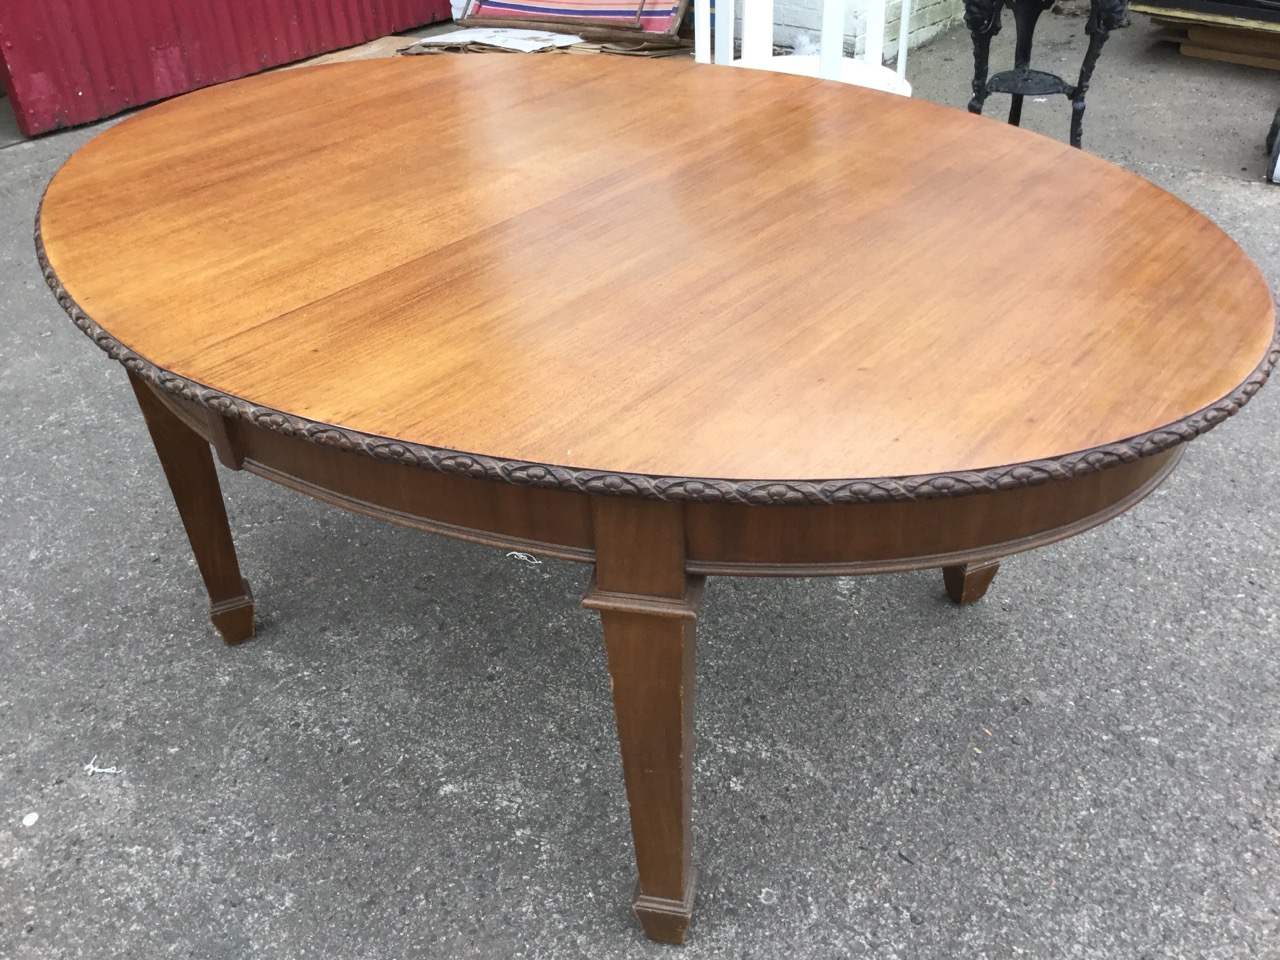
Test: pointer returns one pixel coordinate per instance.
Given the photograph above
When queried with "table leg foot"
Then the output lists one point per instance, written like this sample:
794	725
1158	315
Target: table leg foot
648	607
667	921
968	582
193	481
234	618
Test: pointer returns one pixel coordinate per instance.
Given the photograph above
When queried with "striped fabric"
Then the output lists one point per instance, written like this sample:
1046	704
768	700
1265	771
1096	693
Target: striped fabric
648	16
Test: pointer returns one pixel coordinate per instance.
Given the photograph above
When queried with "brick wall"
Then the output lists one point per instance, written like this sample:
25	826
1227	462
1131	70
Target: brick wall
928	18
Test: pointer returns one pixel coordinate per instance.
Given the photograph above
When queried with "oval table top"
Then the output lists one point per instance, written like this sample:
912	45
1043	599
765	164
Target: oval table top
655	278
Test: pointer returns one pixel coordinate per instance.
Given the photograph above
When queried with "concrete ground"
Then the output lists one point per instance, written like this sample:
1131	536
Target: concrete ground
415	757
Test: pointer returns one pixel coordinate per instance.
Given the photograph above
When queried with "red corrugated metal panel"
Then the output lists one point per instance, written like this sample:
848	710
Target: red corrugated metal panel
65	62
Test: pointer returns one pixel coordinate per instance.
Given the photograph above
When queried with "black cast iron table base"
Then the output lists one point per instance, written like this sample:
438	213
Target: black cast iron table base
982	17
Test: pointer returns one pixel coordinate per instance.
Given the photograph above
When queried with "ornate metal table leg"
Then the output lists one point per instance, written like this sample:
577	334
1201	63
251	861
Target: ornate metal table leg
648	607
982	17
193	480
1026	14
1104	16
968	582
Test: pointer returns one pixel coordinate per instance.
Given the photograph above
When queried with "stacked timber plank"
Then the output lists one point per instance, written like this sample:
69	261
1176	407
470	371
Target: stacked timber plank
1241	31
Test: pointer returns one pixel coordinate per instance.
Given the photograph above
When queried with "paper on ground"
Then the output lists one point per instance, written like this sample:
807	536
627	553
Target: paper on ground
523	41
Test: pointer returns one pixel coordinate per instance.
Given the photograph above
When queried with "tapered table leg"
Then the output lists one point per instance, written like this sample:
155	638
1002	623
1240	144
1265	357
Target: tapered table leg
968	582
648	607
193	480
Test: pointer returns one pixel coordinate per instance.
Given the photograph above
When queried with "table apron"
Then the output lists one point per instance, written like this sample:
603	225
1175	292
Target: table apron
721	539
549	523
871	538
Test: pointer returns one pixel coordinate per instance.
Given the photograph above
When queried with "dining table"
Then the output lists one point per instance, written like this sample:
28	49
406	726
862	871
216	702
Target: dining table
666	320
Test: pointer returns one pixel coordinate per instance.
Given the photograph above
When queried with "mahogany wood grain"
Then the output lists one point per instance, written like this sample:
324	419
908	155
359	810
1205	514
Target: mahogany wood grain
854	333
537	259
193	480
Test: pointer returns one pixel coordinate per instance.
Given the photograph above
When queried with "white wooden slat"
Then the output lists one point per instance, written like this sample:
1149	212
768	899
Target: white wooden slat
725	16
904	36
831	50
875	31
702	31
757	30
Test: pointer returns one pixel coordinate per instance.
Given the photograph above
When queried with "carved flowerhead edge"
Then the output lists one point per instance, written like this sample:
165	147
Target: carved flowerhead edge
688	489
